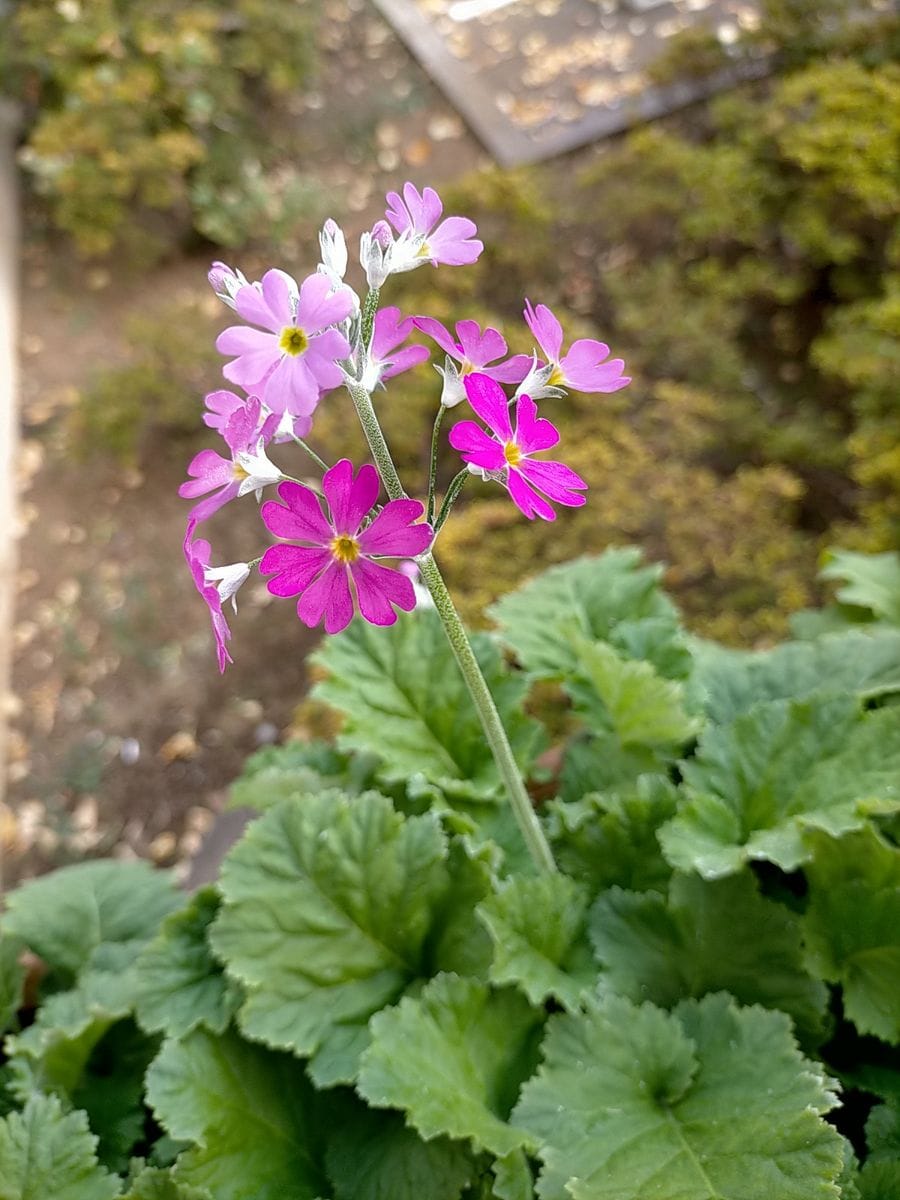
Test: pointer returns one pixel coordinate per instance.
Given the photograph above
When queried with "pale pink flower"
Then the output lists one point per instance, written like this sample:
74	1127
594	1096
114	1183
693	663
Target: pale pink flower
474	350
246	432
294	357
507	455
421	239
197	554
585	368
339	547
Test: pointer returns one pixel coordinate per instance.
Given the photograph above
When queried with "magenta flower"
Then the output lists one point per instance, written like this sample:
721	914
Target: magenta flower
197	557
385	360
421	239
509	451
474	351
245	432
221	407
584	368
342	547
294	356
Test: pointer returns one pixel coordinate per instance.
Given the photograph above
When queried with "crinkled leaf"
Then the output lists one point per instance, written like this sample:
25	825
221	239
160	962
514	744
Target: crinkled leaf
453	1060
65	916
179	983
278	773
852	927
866	663
591	597
538	929
256	1123
610	838
627	698
403	697
602	764
12	980
710	1102
883	1133
870	581
327	904
154	1183
879	1181
512	1177
52	1054
706	937
375	1156
46	1153
784	767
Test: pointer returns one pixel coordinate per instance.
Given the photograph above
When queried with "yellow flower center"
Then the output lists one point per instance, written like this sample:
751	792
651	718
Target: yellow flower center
238	472
345	548
512	454
293	340
465	368
557	378
424	251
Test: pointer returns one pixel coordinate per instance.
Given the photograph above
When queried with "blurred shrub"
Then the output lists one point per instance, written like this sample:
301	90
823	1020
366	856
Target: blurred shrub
152	105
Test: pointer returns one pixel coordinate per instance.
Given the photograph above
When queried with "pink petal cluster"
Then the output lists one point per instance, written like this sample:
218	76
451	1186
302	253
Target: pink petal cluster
508	451
197	554
246	431
475	349
415	217
294	356
385	360
584	368
338	548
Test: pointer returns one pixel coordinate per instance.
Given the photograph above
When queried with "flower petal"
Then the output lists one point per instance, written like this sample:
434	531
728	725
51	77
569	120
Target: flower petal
291	388
533	432
294	568
453	244
319	306
555	479
220	405
388	331
480	348
207	470
350	498
205	509
527	500
250	304
328	596
489	401
513	370
440	334
403	360
397	212
546	329
584	367
378	588
251	370
476	446
299	517
280	291
239	339
393	531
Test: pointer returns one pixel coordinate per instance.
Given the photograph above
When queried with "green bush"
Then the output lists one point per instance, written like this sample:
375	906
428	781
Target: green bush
142	106
380	998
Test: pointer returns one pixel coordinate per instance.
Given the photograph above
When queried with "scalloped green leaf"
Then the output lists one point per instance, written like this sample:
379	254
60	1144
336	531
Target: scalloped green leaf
45	1152
256	1124
879	1181
278	773
401	688
64	917
710	1102
610	838
328	902
179	985
870	581
12	980
156	1183
627	698
706	937
538	930
453	1059
591	597
374	1156
863	662
512	1177
852	926
756	785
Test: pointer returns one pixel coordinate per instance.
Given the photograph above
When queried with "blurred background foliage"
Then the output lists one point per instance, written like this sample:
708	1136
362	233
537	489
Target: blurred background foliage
743	256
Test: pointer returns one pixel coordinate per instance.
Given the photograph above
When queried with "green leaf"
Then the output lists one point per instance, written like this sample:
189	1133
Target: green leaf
628	698
710	1102
512	1177
278	773
602	764
374	1156
607	839
255	1120
591	597
538	930
65	916
852	926
400	688
327	904
453	1060
866	663
178	982
871	581
52	1054
706	937
12	980
756	785
883	1133
46	1153
155	1184
879	1181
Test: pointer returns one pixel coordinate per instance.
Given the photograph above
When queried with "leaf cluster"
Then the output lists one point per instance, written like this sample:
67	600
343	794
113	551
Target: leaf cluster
380	1000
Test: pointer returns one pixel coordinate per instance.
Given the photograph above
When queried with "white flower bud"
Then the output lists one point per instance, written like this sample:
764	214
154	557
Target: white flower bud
453	391
228	580
334	249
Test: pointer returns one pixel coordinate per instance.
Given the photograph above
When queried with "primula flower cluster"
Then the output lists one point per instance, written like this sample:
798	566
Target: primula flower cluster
341	548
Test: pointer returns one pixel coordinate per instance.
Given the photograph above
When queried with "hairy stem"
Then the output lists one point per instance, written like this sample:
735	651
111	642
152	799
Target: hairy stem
370	307
456	486
507	767
432	470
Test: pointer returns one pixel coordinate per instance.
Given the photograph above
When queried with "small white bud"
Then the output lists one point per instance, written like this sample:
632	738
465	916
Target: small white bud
228	580
453	391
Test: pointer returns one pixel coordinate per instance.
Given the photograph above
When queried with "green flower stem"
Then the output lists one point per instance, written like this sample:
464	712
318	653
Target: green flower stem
456	486
525	815
370	308
312	454
432	472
